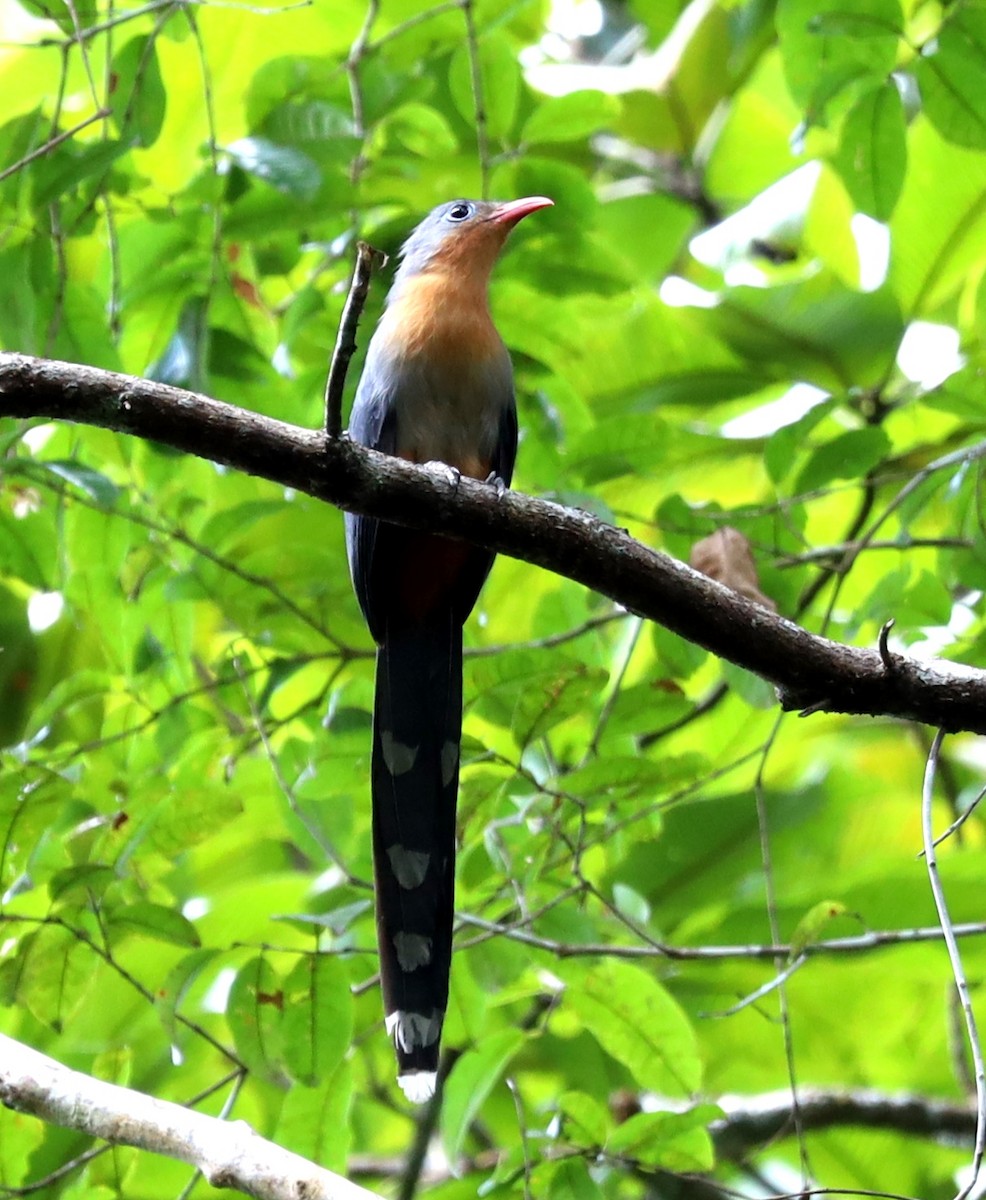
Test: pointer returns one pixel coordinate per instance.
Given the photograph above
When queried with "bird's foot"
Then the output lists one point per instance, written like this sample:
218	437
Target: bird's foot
452	475
494	480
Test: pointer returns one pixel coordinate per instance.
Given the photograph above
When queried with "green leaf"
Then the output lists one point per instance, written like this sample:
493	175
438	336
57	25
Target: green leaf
826	46
318	1017
587	1122
285	168
137	94
950	75
872	154
667	1141
570	117
847	456
637	1022
170	994
472	1079
70	18
499	74
253	1012
88	480
55	975
570	1180
164	924
938	235
422	129
315	1121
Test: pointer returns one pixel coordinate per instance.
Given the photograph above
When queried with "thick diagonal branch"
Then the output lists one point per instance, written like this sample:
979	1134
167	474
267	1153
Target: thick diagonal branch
808	671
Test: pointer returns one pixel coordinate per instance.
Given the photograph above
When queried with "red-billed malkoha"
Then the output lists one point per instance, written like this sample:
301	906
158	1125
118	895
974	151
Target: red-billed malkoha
437	387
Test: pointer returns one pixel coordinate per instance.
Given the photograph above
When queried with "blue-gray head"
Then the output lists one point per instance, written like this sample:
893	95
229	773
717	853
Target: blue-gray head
465	236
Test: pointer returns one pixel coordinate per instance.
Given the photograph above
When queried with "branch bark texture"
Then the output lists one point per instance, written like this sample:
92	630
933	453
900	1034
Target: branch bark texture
228	1153
809	672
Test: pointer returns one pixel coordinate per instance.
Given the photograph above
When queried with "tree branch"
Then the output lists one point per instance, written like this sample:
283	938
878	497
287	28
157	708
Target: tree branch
810	673
751	1121
228	1153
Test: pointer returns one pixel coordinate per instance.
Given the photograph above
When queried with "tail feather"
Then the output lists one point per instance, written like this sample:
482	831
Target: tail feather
414	780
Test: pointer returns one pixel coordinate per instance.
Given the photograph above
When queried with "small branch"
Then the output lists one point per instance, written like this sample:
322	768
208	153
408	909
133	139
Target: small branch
860	944
808	671
50	145
476	75
955	958
229	1154
366	259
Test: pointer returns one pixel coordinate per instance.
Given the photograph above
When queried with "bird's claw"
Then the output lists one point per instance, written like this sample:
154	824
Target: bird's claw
495	481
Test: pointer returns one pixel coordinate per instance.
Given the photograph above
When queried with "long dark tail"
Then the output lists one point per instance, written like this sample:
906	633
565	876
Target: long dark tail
417	724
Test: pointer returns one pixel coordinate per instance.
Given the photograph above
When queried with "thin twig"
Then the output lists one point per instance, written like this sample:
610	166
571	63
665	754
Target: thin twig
955	959
476	70
52	143
773	921
366	260
859	944
959	821
353	61
762	991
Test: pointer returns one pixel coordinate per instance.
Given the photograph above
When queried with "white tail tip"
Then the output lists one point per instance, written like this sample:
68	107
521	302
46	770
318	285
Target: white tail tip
418	1086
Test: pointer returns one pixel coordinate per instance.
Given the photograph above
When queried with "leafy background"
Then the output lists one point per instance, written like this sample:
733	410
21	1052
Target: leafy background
757	303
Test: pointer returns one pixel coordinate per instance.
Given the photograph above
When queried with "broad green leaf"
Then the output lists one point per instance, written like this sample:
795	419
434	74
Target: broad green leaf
318	1017
587	1122
472	1079
94	483
254	1014
848	456
570	1180
170	995
54	976
499	82
950	73
938	234
872	154
156	921
667	1141
138	96
422	129
315	1121
637	1022
283	167
70	17
823	49
570	117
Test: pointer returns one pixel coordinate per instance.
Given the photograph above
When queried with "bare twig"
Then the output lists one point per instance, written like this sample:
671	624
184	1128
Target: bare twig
476	70
860	944
781	978
50	145
366	260
955	959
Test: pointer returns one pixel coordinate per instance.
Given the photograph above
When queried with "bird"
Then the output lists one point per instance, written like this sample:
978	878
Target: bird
436	386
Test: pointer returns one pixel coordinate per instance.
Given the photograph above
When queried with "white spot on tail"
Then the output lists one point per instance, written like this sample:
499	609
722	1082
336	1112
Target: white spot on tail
410	866
411	1030
397	756
450	760
413	950
418	1086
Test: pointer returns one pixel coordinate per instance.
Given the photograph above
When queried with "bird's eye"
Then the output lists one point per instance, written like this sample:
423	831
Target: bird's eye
459	212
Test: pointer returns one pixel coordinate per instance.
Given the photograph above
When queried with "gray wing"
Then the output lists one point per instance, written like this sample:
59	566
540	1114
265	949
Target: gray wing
373	423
